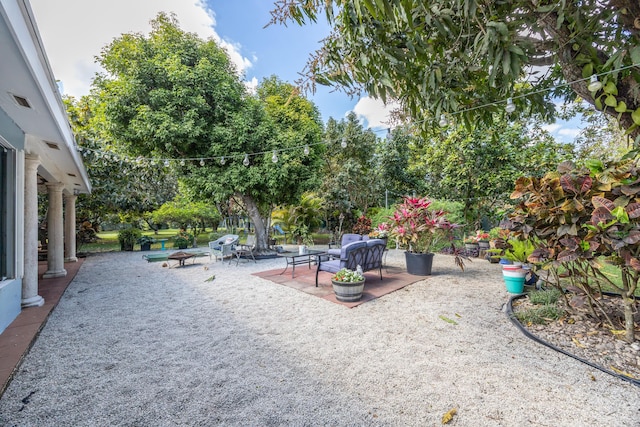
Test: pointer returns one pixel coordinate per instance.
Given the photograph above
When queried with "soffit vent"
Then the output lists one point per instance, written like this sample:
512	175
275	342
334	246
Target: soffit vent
71	174
52	145
21	101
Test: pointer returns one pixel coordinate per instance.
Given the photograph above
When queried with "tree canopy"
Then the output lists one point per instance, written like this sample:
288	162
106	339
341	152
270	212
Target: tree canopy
467	57
173	95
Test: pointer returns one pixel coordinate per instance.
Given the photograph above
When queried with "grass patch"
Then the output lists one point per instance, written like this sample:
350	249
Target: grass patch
545	297
539	315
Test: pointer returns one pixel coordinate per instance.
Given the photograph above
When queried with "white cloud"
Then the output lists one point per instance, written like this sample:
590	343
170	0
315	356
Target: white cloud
551	128
374	111
569	132
252	85
74	32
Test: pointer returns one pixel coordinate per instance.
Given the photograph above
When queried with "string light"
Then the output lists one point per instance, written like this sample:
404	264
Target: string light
594	84
274	158
166	163
511	107
389	136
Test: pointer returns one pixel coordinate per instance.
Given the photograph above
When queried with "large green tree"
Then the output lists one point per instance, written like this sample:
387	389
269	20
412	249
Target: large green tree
135	188
479	166
173	95
351	176
455	56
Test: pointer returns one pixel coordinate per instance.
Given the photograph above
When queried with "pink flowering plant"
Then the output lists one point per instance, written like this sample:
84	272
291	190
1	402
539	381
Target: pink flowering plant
480	236
381	231
418	227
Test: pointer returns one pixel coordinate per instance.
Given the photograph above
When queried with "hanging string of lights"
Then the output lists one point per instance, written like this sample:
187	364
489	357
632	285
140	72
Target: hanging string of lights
594	85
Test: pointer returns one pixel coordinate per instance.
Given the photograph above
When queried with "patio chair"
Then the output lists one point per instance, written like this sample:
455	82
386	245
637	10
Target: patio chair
346	239
366	254
245	250
223	247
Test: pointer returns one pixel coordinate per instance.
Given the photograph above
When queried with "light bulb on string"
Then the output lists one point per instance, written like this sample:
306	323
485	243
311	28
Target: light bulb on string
389	136
201	162
153	162
511	107
246	160
222	160
306	150
594	84
274	158
166	163
181	162
343	144
443	120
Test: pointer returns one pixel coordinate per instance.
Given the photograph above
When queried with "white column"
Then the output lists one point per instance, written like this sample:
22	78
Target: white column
55	229
70	228
30	297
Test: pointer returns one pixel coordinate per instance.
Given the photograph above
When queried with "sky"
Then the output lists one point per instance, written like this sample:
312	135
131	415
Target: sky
75	31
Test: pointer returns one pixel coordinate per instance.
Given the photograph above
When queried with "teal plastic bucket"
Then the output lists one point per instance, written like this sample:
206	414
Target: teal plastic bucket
515	285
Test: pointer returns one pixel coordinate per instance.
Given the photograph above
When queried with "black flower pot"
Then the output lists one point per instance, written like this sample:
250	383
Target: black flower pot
419	264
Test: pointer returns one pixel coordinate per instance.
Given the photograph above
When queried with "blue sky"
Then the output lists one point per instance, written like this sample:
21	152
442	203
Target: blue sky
74	31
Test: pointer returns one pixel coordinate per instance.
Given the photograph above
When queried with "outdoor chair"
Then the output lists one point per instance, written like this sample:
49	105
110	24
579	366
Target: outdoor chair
223	247
366	254
346	239
245	250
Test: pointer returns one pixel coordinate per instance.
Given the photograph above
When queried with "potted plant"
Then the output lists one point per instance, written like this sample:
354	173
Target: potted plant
128	237
182	240
518	252
348	285
418	228
145	242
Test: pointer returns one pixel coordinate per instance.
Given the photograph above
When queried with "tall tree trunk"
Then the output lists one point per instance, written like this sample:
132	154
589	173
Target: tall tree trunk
258	223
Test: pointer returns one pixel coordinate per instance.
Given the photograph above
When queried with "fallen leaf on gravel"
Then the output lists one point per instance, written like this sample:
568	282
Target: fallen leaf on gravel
577	343
618	371
210	279
446	418
446	319
619	332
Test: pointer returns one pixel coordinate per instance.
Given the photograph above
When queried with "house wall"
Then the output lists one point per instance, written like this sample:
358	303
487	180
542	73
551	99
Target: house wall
11	242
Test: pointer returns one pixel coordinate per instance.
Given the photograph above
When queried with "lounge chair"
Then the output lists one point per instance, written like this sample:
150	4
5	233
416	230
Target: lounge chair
245	250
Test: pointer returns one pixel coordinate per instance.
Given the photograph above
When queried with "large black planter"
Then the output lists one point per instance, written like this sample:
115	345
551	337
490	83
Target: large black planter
419	264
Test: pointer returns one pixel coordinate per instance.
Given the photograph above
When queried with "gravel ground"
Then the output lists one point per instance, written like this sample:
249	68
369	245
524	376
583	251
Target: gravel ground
136	344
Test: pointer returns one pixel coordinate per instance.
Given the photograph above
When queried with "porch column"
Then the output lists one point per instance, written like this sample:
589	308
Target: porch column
70	227
30	297
55	228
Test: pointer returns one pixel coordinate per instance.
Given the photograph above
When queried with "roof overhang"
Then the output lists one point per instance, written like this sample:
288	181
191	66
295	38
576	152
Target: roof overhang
29	95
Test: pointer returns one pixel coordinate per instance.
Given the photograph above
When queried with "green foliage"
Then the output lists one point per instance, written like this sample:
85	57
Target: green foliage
144	240
183	240
518	250
136	188
539	315
452	57
127	237
350	174
580	216
173	95
477	166
545	296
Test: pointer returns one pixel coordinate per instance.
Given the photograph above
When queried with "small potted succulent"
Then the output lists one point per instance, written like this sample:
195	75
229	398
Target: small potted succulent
348	285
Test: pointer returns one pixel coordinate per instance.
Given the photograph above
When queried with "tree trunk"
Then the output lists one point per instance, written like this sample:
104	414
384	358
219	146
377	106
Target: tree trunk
250	205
